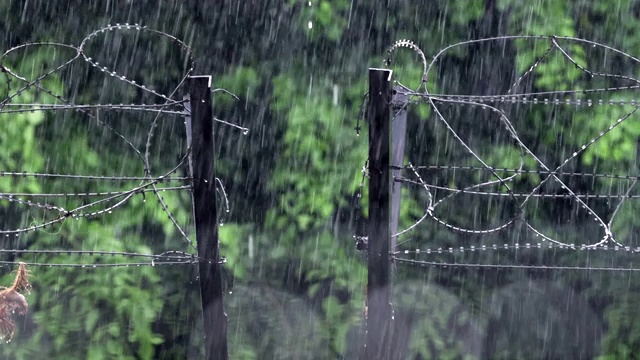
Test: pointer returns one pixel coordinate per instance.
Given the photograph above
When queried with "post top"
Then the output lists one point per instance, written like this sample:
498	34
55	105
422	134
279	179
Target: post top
208	77
385	70
378	69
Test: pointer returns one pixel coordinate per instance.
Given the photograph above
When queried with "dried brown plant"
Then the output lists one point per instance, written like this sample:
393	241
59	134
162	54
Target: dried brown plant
11	300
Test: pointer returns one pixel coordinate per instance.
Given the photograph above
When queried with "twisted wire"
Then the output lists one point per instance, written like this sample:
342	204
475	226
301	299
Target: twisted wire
108	201
502	177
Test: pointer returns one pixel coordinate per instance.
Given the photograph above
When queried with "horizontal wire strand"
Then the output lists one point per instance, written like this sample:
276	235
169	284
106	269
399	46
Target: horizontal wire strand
509	266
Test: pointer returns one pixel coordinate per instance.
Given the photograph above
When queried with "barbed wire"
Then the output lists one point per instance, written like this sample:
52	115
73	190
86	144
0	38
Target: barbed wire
24	174
102	202
525	195
77	212
502	181
517	246
511	266
166	258
11	196
24	108
516	171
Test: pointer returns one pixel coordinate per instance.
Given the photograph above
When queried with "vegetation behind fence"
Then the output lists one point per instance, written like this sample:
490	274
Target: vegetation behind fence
300	72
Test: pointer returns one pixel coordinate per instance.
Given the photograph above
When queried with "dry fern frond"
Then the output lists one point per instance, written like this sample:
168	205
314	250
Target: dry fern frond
11	301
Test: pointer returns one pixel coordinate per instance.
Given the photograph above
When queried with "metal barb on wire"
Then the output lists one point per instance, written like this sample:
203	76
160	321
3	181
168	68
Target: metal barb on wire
438	264
516	247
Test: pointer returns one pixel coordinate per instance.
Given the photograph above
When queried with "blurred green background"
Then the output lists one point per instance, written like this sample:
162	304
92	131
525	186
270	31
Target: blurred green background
300	71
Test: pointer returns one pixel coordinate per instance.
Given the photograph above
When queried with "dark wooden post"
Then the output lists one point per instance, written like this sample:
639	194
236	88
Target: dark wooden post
202	164
398	134
379	312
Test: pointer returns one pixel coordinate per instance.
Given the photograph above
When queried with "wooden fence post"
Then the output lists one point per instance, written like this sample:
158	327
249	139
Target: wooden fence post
379	313
398	134
202	165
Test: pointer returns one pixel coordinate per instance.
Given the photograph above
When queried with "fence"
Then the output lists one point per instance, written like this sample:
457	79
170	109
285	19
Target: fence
487	179
386	171
195	109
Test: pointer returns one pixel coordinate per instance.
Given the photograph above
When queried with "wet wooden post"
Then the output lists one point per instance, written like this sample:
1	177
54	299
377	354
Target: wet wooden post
202	166
398	134
379	312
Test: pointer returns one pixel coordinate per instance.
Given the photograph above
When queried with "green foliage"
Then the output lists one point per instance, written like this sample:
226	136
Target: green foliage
463	12
617	146
88	313
304	85
434	334
269	321
623	336
318	145
242	81
324	19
